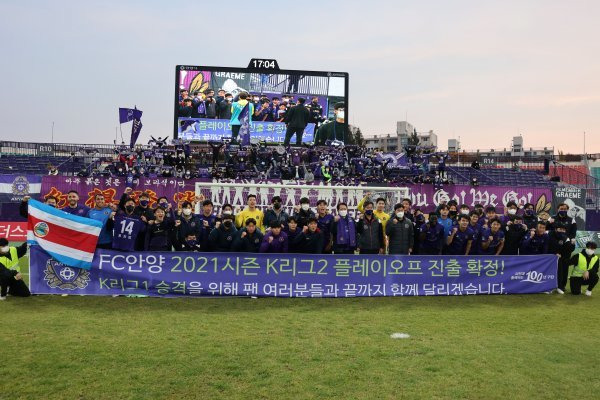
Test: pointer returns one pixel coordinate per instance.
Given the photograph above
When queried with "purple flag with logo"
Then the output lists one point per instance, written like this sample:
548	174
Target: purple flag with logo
128	114
245	125
136	127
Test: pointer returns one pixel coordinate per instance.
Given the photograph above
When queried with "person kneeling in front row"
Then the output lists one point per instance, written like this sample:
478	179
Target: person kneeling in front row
585	269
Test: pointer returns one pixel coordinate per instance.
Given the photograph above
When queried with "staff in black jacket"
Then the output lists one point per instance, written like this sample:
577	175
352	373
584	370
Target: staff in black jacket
562	246
248	239
160	233
310	240
515	232
296	118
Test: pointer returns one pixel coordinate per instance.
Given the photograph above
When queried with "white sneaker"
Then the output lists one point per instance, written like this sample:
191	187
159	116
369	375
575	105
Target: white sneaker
2	297
588	292
560	291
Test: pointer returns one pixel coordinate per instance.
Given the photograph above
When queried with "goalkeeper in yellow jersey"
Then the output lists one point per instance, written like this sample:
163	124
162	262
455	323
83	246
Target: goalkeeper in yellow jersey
250	212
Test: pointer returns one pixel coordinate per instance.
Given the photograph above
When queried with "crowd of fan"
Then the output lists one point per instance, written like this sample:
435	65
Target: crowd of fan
335	162
133	225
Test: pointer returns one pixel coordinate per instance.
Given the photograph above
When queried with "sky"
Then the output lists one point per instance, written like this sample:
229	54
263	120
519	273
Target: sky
481	71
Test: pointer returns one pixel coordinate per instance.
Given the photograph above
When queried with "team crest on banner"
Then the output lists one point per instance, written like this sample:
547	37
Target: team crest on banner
61	276
41	229
20	186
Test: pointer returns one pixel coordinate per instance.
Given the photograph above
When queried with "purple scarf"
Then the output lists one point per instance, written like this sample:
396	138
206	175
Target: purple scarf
346	232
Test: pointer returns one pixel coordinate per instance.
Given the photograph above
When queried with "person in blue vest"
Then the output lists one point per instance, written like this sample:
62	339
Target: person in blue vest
11	280
343	231
585	269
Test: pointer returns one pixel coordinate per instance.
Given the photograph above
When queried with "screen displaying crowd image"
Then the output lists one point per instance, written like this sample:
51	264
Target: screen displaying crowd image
206	98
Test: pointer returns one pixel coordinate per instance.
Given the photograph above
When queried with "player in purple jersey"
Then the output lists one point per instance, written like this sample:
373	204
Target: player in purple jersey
460	239
126	230
72	205
492	239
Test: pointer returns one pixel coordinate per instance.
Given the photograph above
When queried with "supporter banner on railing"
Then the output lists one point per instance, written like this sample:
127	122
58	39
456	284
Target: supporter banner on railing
215	129
173	274
426	197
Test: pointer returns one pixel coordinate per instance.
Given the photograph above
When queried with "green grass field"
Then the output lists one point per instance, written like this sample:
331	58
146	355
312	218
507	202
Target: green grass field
496	347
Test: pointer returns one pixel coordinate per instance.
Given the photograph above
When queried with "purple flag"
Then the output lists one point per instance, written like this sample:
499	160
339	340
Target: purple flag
245	125
136	127
128	114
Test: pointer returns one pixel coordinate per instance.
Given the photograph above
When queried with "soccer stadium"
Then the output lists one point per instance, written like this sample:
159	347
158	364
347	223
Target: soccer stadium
265	245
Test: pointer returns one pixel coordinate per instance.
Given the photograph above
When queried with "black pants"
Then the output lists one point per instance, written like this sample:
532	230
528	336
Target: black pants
13	287
369	251
563	273
235	131
578	281
291	132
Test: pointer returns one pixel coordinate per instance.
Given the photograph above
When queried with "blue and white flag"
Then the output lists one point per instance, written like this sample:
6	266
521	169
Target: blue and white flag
70	239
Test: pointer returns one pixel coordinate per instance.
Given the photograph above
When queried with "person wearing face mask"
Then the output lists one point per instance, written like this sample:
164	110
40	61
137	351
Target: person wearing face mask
143	208
303	212
400	232
419	222
343	231
189	224
432	237
536	242
164	203
529	216
509	212
226	209
11	280
585	269
73	206
224	107
127	227
23	207
324	222
276	213
221	238
514	234
561	219
190	243
370	232
336	129
250	212
562	246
